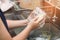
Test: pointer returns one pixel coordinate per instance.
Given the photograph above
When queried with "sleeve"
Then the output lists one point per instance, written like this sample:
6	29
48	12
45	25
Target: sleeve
6	5
0	4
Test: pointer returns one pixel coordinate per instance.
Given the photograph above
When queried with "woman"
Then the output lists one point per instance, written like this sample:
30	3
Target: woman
4	33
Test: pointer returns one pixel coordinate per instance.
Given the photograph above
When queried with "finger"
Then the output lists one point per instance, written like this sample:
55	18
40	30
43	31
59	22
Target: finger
31	15
39	20
35	18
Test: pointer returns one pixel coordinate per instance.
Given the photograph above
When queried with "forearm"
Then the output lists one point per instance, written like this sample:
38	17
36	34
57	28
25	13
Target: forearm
16	23
23	35
4	35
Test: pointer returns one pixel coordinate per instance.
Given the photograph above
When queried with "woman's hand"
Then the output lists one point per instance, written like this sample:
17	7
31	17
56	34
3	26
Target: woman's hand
33	24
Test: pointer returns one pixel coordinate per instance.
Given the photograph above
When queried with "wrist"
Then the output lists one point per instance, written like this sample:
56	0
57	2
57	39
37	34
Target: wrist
30	27
27	21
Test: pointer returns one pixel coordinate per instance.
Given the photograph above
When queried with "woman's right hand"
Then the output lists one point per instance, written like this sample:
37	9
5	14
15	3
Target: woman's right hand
33	24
